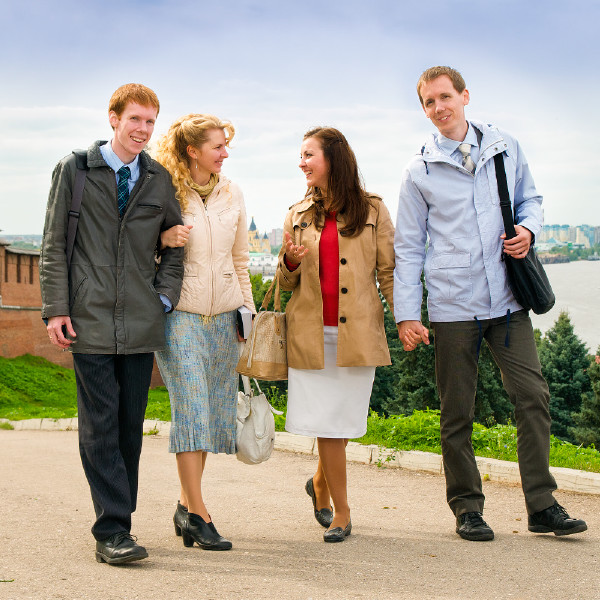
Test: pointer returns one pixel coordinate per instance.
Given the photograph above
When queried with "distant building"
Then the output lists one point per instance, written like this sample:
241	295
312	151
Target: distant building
256	241
583	236
21	328
276	237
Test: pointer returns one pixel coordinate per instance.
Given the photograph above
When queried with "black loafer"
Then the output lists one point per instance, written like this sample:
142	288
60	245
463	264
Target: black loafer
556	520
337	534
324	516
119	548
471	526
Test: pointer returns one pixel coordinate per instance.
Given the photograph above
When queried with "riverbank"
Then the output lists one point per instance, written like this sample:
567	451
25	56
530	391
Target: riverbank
576	286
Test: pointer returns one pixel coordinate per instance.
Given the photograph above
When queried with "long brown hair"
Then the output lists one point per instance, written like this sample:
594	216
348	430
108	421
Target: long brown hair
345	186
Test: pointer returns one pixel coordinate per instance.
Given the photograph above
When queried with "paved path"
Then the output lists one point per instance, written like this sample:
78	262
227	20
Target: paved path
403	545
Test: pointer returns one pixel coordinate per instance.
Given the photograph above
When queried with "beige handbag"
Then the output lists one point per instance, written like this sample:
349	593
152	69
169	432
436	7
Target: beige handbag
265	352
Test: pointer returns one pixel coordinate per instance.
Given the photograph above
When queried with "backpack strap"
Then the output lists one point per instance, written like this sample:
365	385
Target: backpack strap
76	198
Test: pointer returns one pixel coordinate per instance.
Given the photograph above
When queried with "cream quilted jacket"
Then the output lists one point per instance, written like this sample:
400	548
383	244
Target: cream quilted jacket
216	256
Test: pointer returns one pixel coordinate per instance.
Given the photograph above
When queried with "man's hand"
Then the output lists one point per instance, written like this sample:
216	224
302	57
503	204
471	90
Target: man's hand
56	334
175	237
518	247
412	333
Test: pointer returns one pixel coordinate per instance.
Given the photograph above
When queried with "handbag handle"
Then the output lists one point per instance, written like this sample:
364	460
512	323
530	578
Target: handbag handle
505	206
248	391
267	298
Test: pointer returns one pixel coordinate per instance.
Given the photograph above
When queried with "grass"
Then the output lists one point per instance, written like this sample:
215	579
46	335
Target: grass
421	431
31	387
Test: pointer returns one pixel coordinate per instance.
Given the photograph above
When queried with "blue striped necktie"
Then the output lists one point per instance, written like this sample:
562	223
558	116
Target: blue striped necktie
123	188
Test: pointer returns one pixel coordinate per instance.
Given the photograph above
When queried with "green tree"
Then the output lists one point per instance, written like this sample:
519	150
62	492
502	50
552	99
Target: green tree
492	404
564	361
587	421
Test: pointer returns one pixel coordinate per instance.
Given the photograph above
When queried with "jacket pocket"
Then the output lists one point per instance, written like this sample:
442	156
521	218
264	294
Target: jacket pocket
450	276
77	295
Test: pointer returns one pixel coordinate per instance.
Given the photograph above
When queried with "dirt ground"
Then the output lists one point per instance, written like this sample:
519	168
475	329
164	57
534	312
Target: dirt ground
403	544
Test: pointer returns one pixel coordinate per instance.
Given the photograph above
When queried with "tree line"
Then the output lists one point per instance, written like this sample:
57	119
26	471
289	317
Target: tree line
408	384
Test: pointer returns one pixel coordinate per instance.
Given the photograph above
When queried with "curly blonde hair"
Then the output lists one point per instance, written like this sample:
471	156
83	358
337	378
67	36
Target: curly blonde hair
171	153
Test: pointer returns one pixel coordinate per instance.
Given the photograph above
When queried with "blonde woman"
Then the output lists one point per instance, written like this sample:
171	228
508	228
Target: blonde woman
198	365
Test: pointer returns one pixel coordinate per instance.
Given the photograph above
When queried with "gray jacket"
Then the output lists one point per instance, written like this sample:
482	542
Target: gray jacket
111	291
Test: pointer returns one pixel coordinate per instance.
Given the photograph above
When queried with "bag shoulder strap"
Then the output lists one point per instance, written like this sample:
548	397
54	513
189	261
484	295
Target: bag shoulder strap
267	298
76	198
505	206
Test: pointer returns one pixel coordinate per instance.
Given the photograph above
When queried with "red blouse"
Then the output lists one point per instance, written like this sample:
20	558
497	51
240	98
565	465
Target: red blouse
329	270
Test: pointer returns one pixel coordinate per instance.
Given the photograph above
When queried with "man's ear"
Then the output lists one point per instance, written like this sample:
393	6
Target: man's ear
113	119
465	97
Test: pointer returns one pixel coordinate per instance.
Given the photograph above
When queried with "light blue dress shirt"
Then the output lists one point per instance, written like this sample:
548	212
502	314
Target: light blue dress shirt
450	147
115	163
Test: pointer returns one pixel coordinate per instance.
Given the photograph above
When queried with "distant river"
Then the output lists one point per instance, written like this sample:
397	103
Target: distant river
576	286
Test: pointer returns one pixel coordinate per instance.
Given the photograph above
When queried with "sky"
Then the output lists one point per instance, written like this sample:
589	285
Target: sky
276	68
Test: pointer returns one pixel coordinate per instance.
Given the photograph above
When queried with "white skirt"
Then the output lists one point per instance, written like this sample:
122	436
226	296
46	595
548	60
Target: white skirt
332	402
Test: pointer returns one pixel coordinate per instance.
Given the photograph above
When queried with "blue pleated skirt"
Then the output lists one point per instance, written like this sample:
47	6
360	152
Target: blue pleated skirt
198	368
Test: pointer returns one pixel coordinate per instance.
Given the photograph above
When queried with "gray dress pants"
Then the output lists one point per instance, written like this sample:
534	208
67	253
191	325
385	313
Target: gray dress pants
456	356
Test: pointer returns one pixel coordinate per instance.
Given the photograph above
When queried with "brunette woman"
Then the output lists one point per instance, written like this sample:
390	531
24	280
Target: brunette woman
338	244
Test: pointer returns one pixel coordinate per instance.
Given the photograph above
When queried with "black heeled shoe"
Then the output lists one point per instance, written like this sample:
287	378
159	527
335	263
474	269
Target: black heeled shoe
324	516
337	534
179	517
195	529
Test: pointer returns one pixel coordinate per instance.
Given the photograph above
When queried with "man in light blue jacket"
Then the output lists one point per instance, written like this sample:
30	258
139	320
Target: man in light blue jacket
449	195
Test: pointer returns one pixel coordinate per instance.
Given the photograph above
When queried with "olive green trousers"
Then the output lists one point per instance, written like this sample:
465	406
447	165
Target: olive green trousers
512	345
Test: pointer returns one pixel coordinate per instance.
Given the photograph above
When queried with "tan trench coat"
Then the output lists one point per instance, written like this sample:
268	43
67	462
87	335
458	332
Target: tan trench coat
362	260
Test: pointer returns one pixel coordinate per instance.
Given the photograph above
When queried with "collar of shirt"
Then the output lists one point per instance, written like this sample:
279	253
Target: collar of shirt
450	147
115	163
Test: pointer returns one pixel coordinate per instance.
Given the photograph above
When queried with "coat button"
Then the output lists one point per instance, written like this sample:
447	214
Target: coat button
304	224
344	290
342	319
343	261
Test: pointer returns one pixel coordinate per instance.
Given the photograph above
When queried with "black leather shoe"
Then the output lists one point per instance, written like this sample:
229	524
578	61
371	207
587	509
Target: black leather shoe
471	526
556	520
337	534
195	529
324	516
179	517
119	548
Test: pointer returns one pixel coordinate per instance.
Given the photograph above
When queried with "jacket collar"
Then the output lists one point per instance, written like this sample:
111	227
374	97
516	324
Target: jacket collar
492	143
95	158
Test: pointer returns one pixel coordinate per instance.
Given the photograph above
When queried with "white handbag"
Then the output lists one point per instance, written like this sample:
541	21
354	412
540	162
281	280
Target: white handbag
255	426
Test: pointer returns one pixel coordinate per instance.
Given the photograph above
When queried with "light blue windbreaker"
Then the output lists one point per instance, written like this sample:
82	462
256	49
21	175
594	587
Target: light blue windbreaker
460	213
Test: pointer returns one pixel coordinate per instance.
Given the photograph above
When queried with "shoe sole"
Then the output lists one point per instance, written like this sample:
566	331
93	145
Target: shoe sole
101	558
543	529
488	537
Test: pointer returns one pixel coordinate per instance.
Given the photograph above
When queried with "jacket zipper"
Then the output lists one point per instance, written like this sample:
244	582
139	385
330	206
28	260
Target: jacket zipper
210	250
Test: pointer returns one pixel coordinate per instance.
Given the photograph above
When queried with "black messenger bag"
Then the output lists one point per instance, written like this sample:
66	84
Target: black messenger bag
527	279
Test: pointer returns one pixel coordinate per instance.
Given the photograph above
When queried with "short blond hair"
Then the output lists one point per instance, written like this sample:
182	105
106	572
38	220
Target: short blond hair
434	72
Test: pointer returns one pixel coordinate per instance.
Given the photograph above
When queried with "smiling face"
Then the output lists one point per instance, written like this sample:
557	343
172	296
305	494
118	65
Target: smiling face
209	157
133	130
445	107
313	163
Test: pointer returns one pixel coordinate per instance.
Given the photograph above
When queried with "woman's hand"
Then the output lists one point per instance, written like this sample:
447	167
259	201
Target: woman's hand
175	237
293	254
